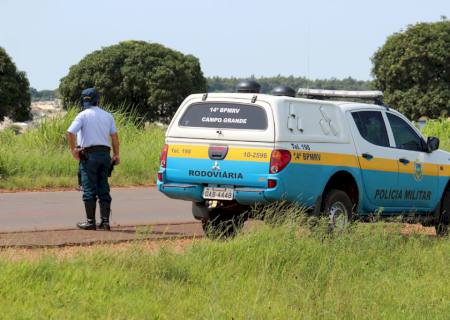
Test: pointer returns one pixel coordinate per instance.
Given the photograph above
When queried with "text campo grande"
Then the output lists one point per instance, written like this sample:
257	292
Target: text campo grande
223	120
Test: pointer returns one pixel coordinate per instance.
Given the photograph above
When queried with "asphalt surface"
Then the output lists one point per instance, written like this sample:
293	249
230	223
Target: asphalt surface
31	211
76	237
47	219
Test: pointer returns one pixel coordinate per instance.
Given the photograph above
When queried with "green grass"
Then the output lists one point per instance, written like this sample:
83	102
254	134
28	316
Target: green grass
40	157
372	272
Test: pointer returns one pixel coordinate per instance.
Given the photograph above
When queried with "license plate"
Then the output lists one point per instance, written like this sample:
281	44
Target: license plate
218	193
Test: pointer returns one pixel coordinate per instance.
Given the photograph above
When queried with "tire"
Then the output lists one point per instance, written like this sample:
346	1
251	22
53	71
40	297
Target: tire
222	224
338	208
443	220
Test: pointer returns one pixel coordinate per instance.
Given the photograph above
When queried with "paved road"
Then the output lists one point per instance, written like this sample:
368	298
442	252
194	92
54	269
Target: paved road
62	238
25	211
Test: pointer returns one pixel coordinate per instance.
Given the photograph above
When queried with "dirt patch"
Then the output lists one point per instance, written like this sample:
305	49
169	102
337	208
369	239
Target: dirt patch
118	234
418	229
151	238
64	189
62	253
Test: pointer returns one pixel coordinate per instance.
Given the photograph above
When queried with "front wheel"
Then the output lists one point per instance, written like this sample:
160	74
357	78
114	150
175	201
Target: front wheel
222	224
443	220
338	208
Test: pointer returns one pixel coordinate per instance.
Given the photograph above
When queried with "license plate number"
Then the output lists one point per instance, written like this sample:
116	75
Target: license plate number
218	193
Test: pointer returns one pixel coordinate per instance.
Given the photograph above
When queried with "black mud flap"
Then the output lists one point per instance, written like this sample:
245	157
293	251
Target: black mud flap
200	211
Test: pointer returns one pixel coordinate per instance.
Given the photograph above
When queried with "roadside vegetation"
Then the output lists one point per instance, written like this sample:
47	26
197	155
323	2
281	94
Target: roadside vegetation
439	128
14	86
271	272
40	157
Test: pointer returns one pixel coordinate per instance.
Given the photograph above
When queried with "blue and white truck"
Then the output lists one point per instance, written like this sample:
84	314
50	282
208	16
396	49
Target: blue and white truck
225	152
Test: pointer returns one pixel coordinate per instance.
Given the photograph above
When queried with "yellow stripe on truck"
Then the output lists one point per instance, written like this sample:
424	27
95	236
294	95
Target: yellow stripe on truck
311	157
379	164
238	154
444	170
249	154
324	158
188	151
428	169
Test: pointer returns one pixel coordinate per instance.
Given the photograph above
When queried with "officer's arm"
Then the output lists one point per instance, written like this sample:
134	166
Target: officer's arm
115	146
72	144
71	135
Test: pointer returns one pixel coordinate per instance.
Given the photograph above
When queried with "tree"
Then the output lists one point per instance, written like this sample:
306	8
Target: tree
147	77
43	95
14	90
413	70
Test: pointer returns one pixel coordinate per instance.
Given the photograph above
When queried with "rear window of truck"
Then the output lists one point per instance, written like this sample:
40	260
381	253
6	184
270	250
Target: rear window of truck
224	116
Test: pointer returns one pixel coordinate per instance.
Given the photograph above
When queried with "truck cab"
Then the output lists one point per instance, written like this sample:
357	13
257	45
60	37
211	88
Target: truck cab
225	152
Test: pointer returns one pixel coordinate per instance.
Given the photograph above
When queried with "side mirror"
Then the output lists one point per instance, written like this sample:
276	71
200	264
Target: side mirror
432	144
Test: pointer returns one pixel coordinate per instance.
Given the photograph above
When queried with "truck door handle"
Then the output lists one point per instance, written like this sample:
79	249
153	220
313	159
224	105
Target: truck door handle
367	156
404	161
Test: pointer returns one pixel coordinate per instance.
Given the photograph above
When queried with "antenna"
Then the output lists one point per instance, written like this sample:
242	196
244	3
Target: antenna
308	48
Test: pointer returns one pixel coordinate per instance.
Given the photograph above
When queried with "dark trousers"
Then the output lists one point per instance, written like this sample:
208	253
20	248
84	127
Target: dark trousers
79	175
94	176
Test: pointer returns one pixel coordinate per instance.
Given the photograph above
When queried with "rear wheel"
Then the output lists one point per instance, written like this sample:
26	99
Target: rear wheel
443	220
222	224
338	208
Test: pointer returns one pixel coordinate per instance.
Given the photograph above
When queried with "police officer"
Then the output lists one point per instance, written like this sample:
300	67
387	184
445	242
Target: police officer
95	127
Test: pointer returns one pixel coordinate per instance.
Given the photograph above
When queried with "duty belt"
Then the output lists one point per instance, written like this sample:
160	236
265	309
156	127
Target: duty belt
96	149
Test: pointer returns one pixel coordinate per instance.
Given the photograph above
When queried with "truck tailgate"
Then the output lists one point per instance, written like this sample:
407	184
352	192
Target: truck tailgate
236	164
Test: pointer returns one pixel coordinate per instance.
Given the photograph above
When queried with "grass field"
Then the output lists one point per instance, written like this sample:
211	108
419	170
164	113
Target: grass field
40	157
274	272
371	272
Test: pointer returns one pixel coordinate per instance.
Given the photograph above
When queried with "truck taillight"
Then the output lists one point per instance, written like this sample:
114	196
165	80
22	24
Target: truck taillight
163	158
271	183
279	159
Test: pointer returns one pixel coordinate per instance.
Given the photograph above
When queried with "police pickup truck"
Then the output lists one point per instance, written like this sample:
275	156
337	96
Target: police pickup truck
227	151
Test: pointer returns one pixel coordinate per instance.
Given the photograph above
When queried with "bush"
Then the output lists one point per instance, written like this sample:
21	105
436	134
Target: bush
149	77
413	70
14	96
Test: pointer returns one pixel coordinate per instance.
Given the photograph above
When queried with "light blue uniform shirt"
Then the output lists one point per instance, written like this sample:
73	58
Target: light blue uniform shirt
93	127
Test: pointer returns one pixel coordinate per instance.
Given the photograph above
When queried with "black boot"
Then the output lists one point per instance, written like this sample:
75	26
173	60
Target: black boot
105	211
89	206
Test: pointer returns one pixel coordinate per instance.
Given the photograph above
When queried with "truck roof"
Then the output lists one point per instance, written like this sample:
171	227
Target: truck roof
291	116
274	100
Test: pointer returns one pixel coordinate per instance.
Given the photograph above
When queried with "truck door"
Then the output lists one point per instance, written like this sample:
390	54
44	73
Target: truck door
378	161
418	177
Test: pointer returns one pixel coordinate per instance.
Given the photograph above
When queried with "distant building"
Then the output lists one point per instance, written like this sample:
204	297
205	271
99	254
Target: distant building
422	121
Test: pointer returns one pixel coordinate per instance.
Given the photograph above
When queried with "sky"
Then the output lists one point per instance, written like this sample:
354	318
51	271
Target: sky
316	39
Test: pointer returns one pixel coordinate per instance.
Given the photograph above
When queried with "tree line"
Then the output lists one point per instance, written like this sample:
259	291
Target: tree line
228	84
43	95
220	84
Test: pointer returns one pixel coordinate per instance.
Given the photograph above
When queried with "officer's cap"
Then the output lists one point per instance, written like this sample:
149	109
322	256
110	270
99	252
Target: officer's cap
89	97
